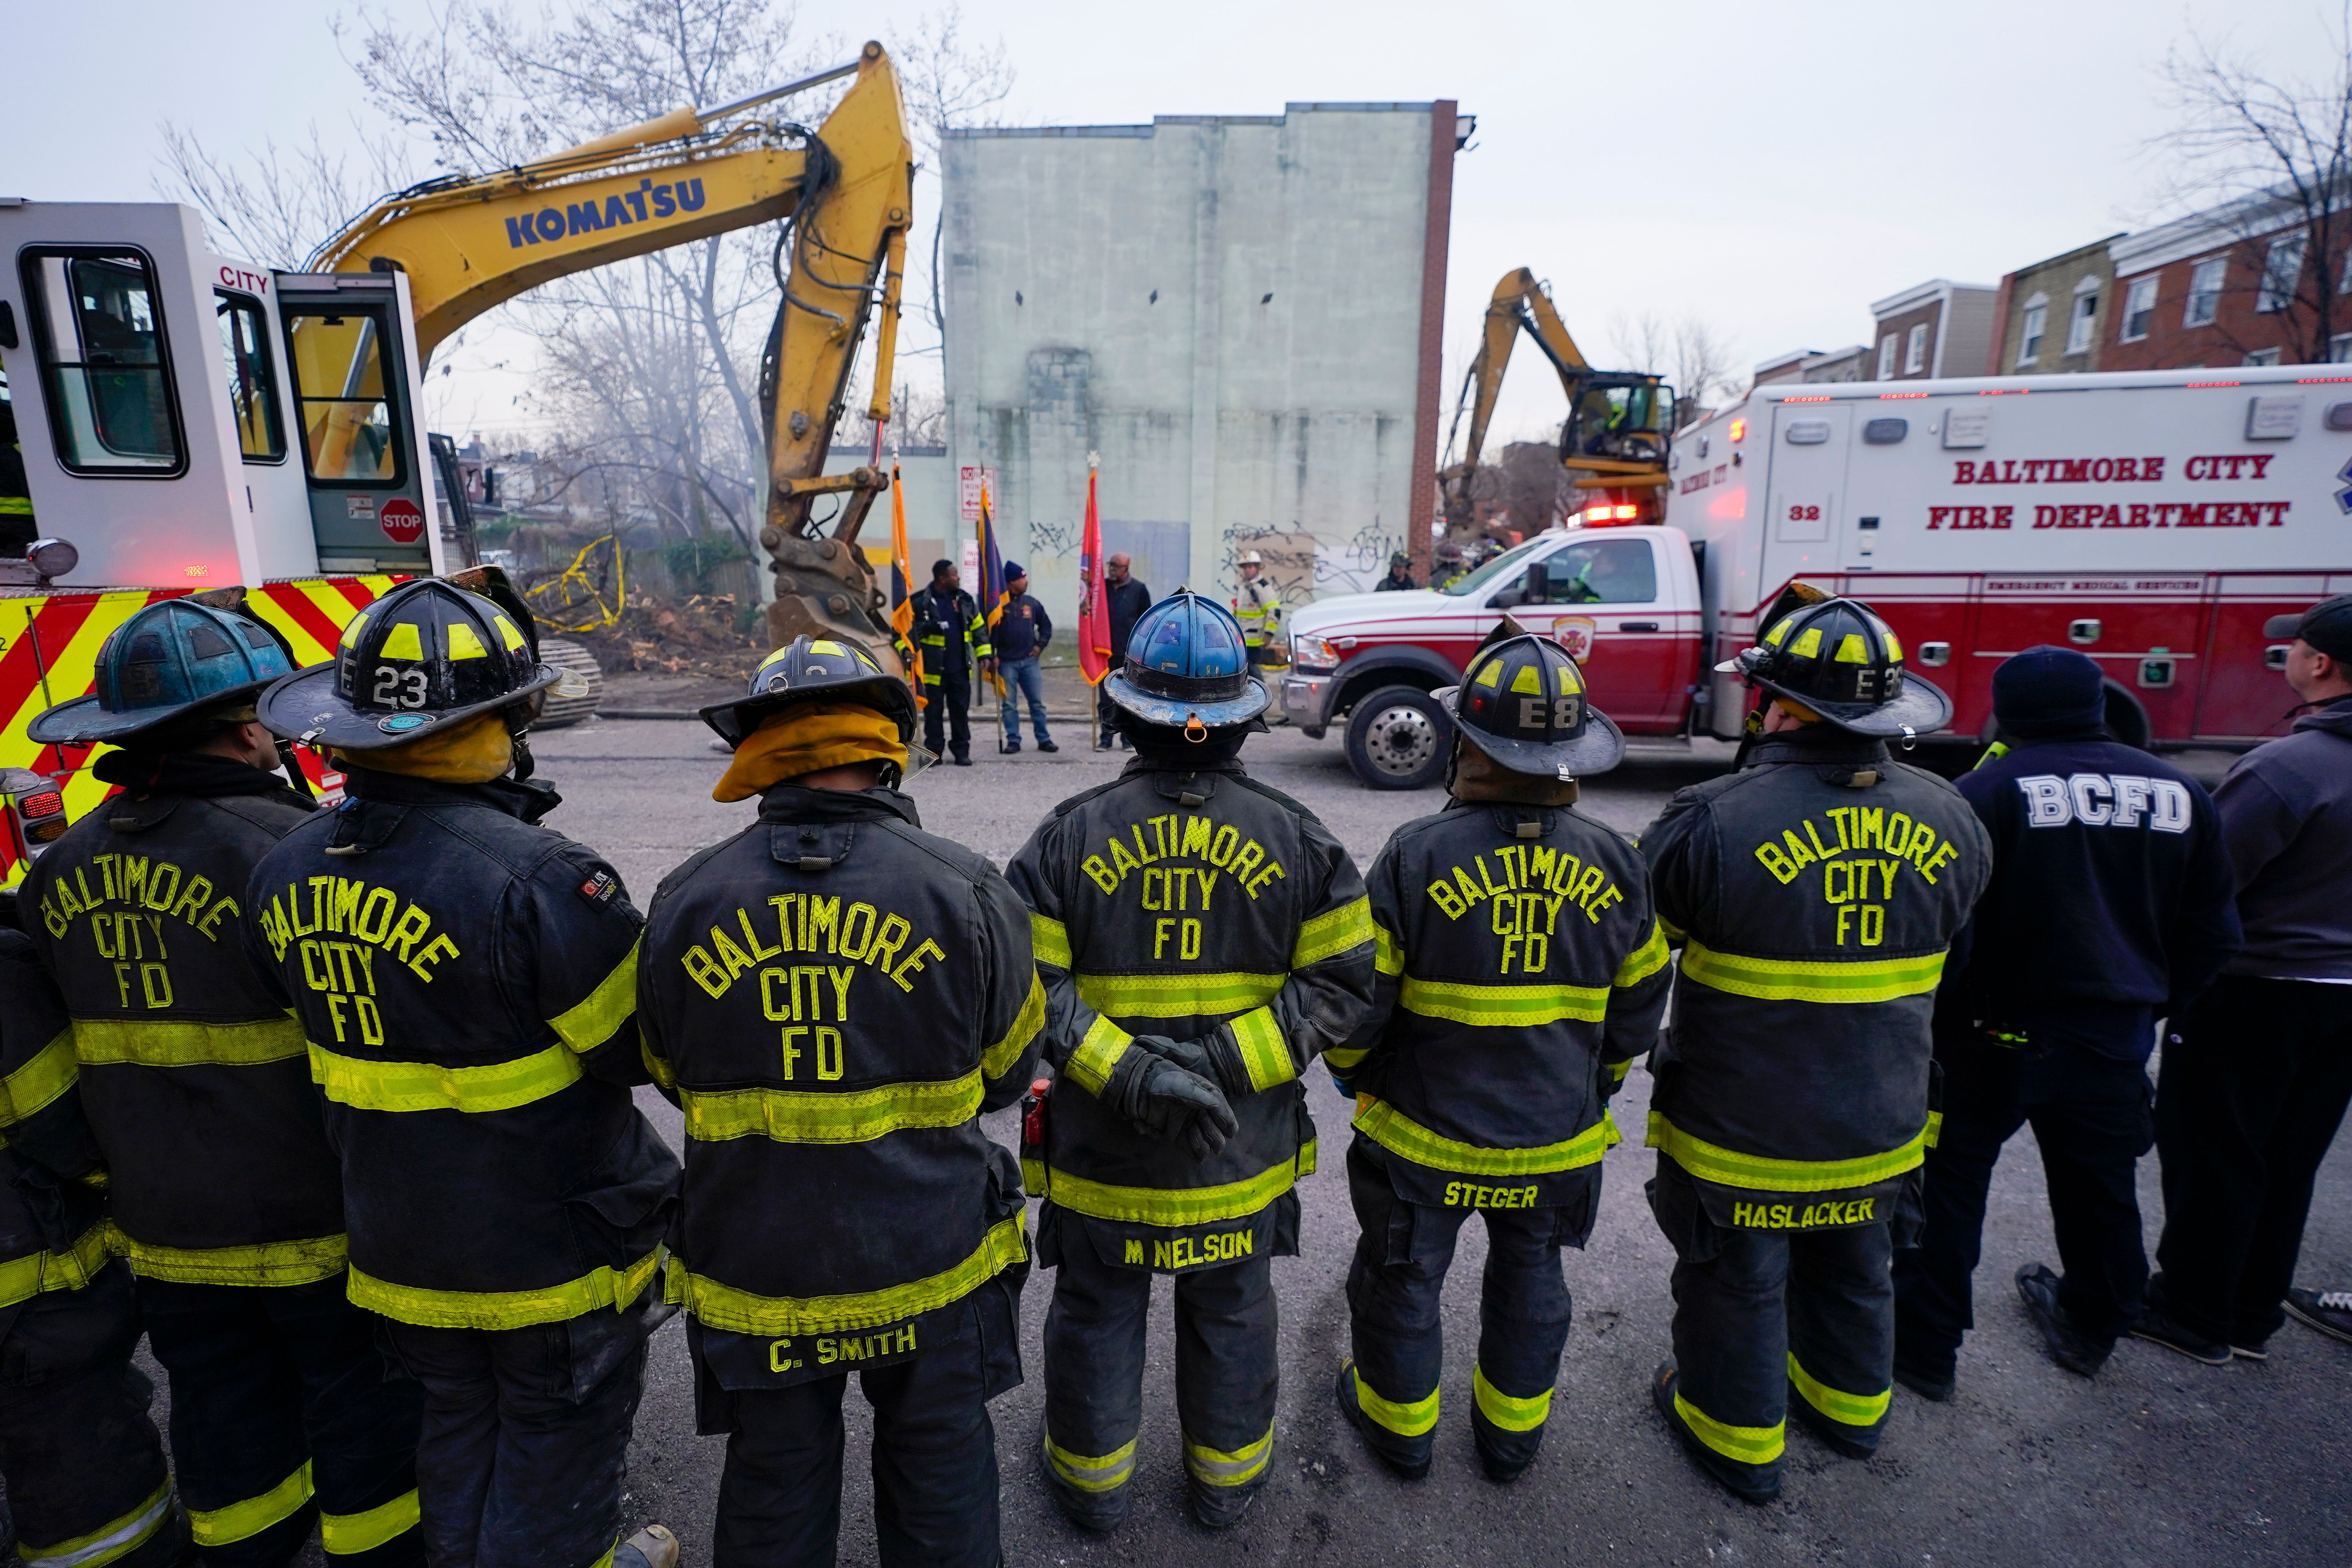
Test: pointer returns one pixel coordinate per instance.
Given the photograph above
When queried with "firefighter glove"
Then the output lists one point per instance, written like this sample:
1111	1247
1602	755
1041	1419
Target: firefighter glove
1213	1056
1160	1097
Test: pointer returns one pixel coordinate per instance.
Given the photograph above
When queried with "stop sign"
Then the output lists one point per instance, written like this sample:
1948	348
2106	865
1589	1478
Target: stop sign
402	521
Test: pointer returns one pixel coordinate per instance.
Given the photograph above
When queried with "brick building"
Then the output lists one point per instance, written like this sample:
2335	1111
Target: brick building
2053	313
1937	329
2231	286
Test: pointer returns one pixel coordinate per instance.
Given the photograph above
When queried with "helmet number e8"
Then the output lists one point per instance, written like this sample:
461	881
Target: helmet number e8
1563	714
396	687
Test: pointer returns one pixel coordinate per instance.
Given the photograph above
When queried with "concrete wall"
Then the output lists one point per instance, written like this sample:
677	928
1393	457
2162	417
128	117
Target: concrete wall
1229	310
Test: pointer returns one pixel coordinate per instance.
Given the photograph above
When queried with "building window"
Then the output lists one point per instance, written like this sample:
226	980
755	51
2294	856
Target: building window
2205	292
2139	308
2262	357
2340	348
1887	358
2037	322
2080	325
1914	350
2282	271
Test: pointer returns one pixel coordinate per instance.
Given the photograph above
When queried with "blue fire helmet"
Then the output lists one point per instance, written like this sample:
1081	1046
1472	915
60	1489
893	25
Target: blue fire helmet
171	661
1185	661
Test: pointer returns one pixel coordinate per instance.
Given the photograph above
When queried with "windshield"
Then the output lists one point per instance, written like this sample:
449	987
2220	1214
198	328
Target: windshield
1510	560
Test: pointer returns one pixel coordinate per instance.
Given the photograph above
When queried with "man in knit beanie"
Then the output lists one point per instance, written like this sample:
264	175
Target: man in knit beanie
2109	908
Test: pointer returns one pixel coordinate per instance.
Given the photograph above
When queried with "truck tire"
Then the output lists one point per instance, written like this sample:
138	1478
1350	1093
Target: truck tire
1399	738
570	656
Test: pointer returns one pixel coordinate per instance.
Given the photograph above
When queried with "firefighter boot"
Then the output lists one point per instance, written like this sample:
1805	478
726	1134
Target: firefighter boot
1100	1511
652	1547
1405	1458
1740	1480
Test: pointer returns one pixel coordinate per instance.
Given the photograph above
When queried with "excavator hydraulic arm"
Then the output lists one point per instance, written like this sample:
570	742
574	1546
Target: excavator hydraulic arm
468	244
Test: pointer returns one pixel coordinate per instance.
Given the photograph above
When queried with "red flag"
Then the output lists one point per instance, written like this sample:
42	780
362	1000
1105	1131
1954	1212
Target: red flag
1094	603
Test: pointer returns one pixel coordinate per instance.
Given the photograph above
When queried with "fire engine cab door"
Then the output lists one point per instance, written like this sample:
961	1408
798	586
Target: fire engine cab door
347	348
1810	445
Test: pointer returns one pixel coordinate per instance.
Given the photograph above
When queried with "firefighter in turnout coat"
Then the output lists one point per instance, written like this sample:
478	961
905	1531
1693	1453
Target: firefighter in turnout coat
833	996
223	1190
1520	972
466	981
1202	939
1814	893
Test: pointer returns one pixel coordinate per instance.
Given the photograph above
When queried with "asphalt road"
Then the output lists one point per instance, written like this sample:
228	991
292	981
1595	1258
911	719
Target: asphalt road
2159	1461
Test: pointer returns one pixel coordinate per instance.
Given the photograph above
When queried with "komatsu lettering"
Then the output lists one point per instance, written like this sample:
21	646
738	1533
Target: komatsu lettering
647	202
1177	837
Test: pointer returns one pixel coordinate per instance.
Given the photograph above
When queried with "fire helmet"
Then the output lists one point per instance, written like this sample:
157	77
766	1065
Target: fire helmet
171	661
807	670
1836	657
424	656
1522	703
1185	662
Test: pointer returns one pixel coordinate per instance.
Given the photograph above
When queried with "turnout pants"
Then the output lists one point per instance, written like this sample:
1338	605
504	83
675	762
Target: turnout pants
2253	1087
1768	1320
935	1474
1225	1369
1402	1254
950	705
526	1432
2092	1116
84	1467
284	1415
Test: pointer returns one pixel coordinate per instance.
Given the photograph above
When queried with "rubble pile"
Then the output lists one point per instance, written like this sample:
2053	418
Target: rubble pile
694	635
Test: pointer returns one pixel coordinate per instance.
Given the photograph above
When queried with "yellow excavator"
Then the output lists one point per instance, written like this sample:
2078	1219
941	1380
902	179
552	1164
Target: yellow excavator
1620	423
468	243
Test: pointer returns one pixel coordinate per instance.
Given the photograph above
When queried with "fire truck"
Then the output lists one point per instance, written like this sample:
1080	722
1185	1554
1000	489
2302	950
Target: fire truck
2152	519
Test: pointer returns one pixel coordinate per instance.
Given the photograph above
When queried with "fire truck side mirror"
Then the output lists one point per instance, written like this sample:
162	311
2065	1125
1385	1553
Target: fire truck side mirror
1538	584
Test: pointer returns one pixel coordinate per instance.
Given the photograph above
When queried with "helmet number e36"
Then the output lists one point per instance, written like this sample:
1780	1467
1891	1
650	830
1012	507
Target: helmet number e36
396	687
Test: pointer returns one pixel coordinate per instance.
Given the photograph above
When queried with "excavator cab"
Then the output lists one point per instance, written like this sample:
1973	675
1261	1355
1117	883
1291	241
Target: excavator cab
1621	416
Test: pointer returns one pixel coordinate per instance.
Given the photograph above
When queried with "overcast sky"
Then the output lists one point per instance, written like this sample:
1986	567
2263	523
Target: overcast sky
1770	167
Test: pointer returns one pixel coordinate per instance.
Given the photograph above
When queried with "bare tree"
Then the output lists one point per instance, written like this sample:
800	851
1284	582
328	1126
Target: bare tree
2273	156
1689	354
274	206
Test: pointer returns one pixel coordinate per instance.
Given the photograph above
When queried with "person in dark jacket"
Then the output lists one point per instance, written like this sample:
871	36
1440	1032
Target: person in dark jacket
1203	940
223	1186
952	635
79	1453
1021	635
1521	971
899	966
466	981
1124	601
1815	893
2109	908
2256	1077
1400	576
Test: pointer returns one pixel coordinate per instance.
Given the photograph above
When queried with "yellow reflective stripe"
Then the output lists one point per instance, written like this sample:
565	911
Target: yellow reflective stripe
998	1059
607	1008
115	1539
1049	940
663	1073
1168	1206
603	1286
22	1278
1709	1162
1508	1411
1749	1445
1345	1057
1090	1066
1263	1051
114	1042
1795	980
266	1264
1103	1472
1177	996
1503	1006
1406	1418
1388	953
1219	1467
606	1560
805	1116
1617	1070
16	506
1935	1128
36	1085
429	1086
1401	1134
1669	930
225	1526
723	1306
1335	932
1847	1409
342	1534
1644	961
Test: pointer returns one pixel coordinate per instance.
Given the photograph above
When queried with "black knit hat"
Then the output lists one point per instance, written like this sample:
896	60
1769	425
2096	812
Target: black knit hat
2049	691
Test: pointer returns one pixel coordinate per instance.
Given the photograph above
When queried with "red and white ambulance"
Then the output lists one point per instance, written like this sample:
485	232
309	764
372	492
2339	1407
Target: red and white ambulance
2153	519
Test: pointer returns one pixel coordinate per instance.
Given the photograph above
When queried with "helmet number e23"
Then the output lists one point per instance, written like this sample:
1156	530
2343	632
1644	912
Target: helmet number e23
396	687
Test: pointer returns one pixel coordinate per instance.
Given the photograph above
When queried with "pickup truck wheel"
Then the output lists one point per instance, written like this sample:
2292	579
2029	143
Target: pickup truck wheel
1399	738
